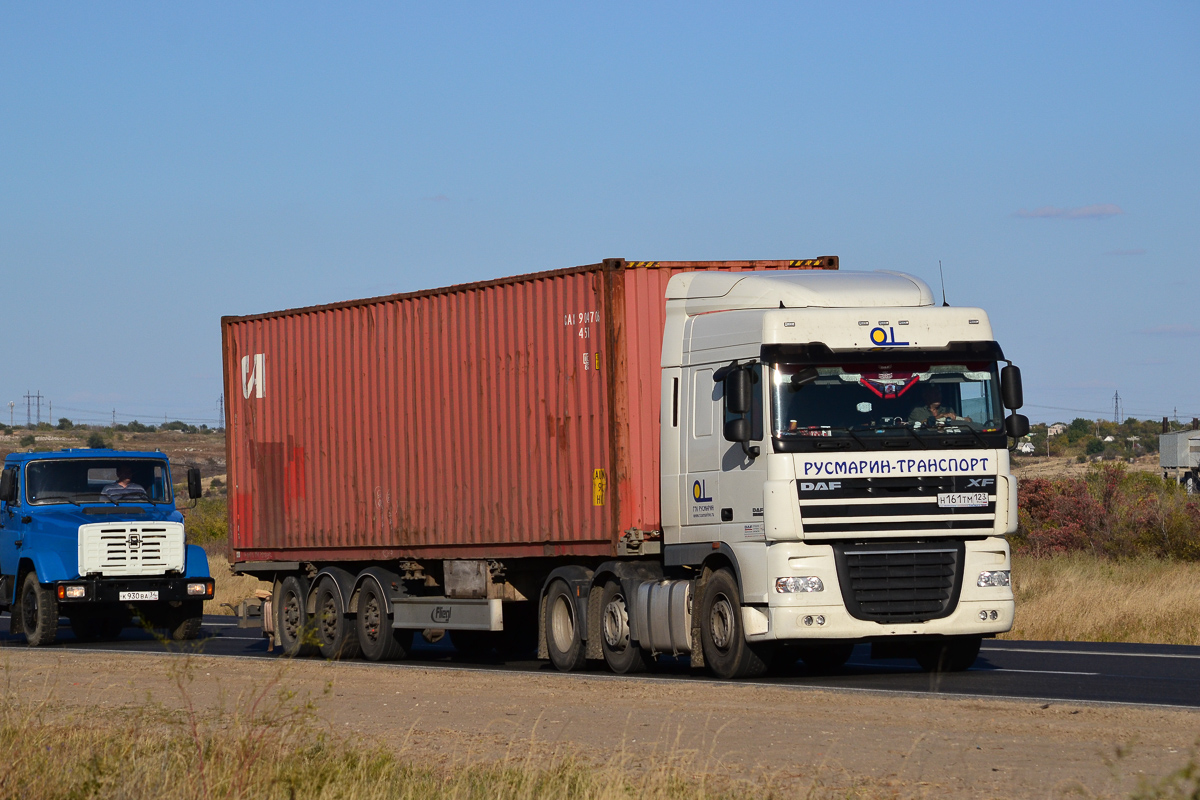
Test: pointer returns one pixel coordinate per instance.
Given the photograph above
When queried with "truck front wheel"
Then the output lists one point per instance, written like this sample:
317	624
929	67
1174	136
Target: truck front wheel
184	622
39	612
726	651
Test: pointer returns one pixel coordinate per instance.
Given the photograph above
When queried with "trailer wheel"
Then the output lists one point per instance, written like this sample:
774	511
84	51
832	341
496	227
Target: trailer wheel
292	626
377	639
622	655
953	655
336	637
726	651
39	612
563	641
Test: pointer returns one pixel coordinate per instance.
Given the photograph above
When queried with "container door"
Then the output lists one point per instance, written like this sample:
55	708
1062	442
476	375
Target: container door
703	456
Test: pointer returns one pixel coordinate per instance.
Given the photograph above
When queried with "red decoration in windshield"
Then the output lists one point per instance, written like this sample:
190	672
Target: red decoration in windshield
889	385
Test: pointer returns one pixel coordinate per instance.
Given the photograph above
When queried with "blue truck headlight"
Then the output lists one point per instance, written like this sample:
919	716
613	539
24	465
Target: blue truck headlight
809	583
999	577
71	592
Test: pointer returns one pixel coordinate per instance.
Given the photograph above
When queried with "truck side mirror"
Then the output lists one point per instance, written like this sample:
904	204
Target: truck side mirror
738	392
1010	388
8	485
194	488
1016	425
737	430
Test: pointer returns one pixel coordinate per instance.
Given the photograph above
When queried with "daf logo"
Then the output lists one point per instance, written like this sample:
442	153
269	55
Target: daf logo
980	482
820	486
134	540
441	614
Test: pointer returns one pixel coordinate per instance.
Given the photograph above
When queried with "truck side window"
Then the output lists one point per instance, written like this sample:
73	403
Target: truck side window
756	404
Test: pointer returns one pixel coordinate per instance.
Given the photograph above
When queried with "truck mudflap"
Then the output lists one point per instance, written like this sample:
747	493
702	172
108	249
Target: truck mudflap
133	590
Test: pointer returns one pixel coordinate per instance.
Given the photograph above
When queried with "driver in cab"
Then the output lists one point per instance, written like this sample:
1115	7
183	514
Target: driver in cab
930	414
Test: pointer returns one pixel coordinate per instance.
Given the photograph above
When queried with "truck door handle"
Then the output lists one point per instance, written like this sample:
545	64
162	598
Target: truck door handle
26	520
726	515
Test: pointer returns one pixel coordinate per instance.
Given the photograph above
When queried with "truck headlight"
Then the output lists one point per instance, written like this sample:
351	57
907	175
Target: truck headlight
71	592
810	583
999	577
200	589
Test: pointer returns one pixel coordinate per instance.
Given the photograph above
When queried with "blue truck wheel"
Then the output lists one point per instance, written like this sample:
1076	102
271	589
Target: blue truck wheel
39	612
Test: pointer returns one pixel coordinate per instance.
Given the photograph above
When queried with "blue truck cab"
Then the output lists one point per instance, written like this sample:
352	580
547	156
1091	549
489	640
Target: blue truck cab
94	535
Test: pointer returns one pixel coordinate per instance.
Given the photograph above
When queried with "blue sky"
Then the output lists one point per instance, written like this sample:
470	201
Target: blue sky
161	166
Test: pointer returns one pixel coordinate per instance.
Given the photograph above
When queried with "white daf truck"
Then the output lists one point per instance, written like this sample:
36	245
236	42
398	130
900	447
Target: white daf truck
730	461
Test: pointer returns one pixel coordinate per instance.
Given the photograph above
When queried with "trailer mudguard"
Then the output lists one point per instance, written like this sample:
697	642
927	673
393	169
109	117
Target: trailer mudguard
342	579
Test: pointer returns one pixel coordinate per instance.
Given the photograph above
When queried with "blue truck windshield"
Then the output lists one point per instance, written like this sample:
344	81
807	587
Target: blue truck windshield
95	480
860	401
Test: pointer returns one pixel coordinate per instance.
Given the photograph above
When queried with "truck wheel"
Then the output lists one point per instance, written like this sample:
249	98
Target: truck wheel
39	612
726	651
292	625
184	622
336	637
563	640
620	653
953	655
377	639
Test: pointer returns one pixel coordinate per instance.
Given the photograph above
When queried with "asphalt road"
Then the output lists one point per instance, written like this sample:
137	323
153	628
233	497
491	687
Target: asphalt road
1047	671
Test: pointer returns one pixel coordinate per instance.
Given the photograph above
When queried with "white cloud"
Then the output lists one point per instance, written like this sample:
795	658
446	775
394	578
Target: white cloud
1096	211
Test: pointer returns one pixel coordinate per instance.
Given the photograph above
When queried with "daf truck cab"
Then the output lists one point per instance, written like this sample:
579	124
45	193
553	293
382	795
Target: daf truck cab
835	468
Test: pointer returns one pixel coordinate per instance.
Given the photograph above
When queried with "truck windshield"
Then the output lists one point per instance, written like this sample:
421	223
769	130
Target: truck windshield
93	480
861	402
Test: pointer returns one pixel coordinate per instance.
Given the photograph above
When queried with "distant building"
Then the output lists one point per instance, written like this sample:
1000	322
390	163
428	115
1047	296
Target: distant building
1110	438
1056	429
1025	448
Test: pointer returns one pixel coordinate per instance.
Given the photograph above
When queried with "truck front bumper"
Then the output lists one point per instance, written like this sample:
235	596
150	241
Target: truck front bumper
133	590
980	611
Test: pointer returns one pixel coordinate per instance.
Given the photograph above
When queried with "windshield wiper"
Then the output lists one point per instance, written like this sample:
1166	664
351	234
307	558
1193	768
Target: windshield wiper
853	435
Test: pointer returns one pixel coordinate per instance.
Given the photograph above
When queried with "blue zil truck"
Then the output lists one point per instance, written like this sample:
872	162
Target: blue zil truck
94	535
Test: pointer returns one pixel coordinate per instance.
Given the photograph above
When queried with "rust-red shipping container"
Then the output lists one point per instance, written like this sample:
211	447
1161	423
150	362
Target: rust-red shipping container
515	417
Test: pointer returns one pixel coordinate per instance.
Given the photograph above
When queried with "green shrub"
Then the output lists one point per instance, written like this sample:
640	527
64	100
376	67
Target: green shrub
95	439
29	440
208	521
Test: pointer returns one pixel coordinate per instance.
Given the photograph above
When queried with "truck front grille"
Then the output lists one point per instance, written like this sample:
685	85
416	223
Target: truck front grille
892	582
131	548
887	506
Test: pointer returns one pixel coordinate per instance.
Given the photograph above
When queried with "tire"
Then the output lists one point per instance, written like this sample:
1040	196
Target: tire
292	626
564	642
826	658
622	655
184	622
336	637
39	612
726	651
953	655
377	640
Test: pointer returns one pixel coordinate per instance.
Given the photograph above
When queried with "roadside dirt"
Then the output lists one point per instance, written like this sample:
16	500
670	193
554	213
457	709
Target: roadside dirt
819	742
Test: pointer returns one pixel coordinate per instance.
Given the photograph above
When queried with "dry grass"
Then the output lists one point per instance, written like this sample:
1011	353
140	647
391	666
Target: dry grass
270	744
1079	597
230	588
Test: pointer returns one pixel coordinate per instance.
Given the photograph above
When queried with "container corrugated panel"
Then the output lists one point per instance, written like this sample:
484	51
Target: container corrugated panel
516	417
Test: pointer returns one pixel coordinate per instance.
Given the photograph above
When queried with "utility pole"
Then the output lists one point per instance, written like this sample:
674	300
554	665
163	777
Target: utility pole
1117	407
10	413
114	422
221	411
29	398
